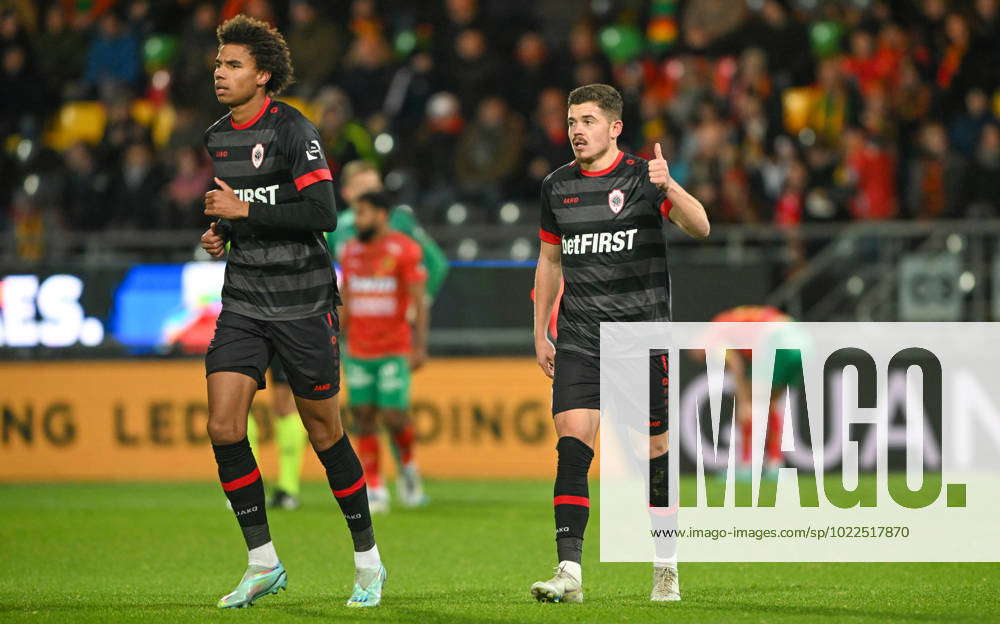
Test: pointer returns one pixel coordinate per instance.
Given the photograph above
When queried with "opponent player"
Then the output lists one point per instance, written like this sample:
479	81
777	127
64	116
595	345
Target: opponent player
601	232
383	280
787	374
279	296
359	177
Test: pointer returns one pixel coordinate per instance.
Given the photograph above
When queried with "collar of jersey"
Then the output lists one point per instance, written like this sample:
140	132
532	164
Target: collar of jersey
260	113
593	174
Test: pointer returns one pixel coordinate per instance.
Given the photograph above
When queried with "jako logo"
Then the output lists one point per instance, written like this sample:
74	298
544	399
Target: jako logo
244	512
599	242
320	387
353	517
571	200
562	530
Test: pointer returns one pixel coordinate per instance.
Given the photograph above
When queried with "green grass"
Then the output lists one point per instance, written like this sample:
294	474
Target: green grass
165	553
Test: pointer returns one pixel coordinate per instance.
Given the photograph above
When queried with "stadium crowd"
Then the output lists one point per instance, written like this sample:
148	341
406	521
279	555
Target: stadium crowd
770	111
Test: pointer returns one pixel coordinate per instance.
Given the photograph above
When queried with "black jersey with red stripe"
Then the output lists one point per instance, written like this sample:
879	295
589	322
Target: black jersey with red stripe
609	225
273	273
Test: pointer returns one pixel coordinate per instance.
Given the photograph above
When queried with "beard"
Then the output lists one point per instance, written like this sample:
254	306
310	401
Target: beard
366	234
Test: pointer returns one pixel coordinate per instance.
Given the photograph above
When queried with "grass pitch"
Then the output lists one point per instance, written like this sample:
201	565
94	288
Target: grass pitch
165	553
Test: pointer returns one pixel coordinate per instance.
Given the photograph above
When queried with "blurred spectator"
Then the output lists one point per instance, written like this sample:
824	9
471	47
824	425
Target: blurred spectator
409	91
872	171
316	47
584	57
548	139
29	228
836	106
789	210
435	145
85	190
259	9
472	72
192	71
935	176
137	198
120	131
23	99
489	152
113	58
984	175
965	129
186	191
58	54
344	138
529	74
458	16
784	40
707	21
366	74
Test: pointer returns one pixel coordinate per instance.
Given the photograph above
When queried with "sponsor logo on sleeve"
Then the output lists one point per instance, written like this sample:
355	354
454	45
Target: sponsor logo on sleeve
313	150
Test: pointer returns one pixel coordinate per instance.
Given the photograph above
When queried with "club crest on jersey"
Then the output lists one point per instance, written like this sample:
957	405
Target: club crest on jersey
616	201
257	155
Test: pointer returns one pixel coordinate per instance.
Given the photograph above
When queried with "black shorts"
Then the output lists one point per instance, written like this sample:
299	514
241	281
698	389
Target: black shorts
278	374
577	385
308	348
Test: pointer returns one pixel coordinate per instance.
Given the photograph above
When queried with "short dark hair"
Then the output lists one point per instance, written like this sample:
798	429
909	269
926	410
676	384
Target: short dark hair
605	96
379	199
267	47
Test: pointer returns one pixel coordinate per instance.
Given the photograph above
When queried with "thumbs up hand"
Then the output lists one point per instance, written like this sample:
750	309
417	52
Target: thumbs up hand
659	173
224	204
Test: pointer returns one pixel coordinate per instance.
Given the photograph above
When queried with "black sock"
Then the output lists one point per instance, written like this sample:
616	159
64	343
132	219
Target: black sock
662	517
571	497
347	480
659	482
245	490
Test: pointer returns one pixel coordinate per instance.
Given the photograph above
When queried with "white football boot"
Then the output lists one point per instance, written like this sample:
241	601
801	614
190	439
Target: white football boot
563	587
666	587
378	500
410	486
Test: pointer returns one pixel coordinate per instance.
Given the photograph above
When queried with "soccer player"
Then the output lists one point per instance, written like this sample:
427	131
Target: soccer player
601	230
275	201
383	279
359	177
787	374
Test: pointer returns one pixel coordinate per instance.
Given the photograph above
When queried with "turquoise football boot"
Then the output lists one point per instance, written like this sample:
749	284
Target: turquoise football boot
257	582
368	584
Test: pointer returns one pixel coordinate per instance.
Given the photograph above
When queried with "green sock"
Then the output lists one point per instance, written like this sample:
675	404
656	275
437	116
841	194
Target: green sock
291	438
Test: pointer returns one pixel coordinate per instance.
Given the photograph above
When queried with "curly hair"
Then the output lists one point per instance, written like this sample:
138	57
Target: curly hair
267	47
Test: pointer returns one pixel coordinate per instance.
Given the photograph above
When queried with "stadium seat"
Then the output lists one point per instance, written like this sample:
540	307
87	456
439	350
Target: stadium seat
797	104
143	111
77	121
162	125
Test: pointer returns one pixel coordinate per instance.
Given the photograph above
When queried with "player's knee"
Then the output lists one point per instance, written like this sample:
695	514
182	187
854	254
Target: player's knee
394	419
225	431
365	419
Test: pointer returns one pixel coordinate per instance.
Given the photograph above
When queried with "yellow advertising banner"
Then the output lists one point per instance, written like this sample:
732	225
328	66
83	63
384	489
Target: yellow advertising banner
145	420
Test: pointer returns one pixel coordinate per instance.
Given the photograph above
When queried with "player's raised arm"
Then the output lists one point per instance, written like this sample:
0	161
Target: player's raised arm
686	211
